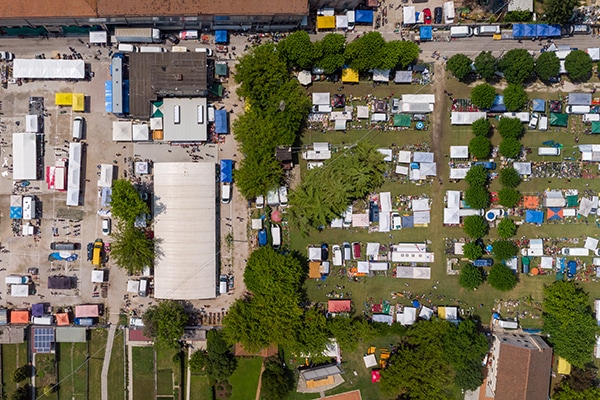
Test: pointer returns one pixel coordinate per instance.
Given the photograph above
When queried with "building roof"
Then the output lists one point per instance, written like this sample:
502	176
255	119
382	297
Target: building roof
320	372
524	367
107	8
353	395
185	226
169	74
137	335
19	316
188	129
71	334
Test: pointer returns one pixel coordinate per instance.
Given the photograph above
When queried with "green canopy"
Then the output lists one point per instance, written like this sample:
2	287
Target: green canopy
596	127
216	89
402	120
526	261
559	119
572	200
221	69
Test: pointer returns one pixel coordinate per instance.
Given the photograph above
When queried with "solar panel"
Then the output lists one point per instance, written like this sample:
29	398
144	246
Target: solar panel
43	340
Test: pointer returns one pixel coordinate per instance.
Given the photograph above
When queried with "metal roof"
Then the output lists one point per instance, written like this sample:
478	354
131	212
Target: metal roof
320	372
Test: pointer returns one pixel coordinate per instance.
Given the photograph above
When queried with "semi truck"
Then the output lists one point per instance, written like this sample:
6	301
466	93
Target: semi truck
97	252
137	35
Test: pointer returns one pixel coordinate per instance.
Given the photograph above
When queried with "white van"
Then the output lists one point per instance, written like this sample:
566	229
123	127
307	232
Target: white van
276	236
223	284
351	19
533	121
575	251
225	193
16	280
449	12
127	48
143	291
283	197
578	109
206	50
461	31
148	49
548	151
543	124
347	251
487	30
337	255
78	123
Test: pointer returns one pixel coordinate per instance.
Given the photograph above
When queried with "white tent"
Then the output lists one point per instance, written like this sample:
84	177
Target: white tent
19	290
314	254
341	21
523	168
370	361
415	175
407	317
409	15
97	276
536	248
385	222
585	207
416	108
373	251
428	169
98	37
451	216
305	78
140	132
106	175
24	152
385	201
257	224
458	173
466	118
459	152
321	99
156	123
554	198
459	249
404	156
340	124
74	174
362	267
591	243
453	198
521	116
426	313
422	157
360	220
401	170
122	131
378	266
418	98
362	112
48	69
133	286
413	272
594	53
381	75
387	154
547	263
384	318
32	123
420	205
448	313
421	217
141	167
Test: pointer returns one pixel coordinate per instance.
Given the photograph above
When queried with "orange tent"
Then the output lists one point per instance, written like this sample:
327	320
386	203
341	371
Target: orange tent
335	306
531	202
314	270
62	319
19	317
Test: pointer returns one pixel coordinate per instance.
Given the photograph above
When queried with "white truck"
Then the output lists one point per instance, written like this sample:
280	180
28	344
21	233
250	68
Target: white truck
137	35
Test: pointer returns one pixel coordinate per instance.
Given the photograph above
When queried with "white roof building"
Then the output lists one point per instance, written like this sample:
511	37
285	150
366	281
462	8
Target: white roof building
74	174
184	223
24	156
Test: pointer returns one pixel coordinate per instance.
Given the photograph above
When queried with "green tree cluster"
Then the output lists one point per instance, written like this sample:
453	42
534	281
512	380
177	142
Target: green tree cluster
475	226
518	16
510	128
481	127
126	204
480	147
435	359
165	322
470	277
477	197
517	65
326	192
504	249
502	278
460	66
297	50
510	177
485	65
547	66
509	197
569	323
483	95
330	52
510	148
20	374
579	66
507	228
472	250
372	51
277	380
216	362
515	97
477	176
559	11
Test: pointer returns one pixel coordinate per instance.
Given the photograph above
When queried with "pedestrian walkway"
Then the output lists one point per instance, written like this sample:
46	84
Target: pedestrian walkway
106	364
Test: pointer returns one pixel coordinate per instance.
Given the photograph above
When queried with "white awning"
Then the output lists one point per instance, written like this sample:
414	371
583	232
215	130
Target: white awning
362	112
466	118
385	201
48	69
74	174
453	198
404	156
387	154
321	99
133	286
24	156
420	205
381	75
122	131
523	168
140	132
458	173
106	175
409	15
341	21
19	290
461	152
98	37
97	276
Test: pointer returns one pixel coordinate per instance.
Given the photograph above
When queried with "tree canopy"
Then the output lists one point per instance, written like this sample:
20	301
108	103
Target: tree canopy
547	65
481	127
579	66
460	66
164	322
477	197
349	332
276	381
297	50
472	250
131	248
510	177
470	277
330	52
480	147
568	321
483	95
485	65
517	65
559	11
475	226
509	197
126	203
366	52
510	128
515	97
399	53
510	148
507	228
504	249
477	176
502	278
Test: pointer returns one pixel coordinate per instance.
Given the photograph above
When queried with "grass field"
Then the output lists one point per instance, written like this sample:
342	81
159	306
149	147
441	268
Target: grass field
13	356
97	346
200	388
116	371
45	365
72	370
245	378
143	377
164	382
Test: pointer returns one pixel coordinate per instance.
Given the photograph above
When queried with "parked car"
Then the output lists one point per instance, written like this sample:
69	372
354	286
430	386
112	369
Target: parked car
231	282
347	251
206	50
106	226
283	196
6	56
172	38
427	16
90	251
223	286
260	201
396	221
337	258
437	15
324	252
395	106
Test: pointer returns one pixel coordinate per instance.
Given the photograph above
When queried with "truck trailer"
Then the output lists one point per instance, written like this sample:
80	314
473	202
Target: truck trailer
137	35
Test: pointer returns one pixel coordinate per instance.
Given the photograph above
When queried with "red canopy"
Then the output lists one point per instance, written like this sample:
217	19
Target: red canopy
375	375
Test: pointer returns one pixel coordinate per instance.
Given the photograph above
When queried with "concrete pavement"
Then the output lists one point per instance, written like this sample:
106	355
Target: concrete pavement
106	363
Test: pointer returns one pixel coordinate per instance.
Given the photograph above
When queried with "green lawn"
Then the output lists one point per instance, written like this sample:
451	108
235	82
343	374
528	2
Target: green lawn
45	365
143	376
245	378
200	388
164	382
72	370
116	371
13	356
97	347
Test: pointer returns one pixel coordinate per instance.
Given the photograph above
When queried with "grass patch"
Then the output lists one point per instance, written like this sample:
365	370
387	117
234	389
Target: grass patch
45	365
245	378
97	347
72	370
116	370
143	377
200	388
13	356
164	382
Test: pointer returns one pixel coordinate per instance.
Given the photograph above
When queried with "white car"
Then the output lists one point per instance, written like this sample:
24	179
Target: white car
206	50
260	201
336	250
396	221
6	56
533	121
106	226
283	196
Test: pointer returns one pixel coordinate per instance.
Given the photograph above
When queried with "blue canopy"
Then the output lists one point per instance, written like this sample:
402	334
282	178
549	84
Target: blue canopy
221	126
498	104
529	30
363	16
534	217
541	30
408	222
518	30
416	303
572	266
554	31
16	212
539	105
426	32
227	171
262	237
221	37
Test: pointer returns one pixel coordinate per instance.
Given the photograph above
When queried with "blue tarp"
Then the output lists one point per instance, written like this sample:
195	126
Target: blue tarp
262	237
554	31
61	256
108	96
518	30
408	222
498	104
221	126
572	267
126	96
426	32
222	37
530	30
227	171
363	16
541	30
534	217
535	30
539	105
16	212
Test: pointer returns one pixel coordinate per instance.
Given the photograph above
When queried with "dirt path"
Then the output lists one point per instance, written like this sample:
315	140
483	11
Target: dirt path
262	368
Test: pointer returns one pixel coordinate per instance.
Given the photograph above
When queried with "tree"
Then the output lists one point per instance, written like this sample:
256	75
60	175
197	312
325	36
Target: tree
483	95
220	362
579	66
560	12
329	52
568	393
366	52
131	248
502	278
269	273
485	65
20	374
276	381
504	250
312	336
472	250
477	197
126	203
507	228
547	66
460	66
349	332
517	16
480	147
257	175
509	197
517	65
477	176
297	50
198	362
20	393
510	128
510	177
481	127
510	148
515	97
568	321
470	277
475	226
579	381
164	322
399	53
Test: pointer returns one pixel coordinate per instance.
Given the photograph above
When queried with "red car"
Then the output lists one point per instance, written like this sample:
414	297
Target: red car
427	14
